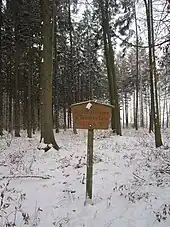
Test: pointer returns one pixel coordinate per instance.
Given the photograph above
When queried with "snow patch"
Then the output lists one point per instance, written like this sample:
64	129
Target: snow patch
88	106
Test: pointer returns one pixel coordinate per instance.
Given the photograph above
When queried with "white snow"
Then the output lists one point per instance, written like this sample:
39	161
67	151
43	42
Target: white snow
131	181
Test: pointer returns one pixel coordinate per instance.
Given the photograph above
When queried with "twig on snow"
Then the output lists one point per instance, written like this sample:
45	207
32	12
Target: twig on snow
2	194
163	171
26	176
139	177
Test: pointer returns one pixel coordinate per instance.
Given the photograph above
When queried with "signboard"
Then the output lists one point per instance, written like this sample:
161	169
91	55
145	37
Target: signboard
91	115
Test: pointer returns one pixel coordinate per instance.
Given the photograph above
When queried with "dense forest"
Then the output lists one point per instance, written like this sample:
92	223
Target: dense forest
55	53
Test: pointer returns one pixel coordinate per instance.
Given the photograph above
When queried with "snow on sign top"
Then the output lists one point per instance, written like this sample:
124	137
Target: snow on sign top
89	105
91	115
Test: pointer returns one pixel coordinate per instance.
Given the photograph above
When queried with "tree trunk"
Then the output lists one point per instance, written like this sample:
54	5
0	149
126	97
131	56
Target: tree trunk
1	111
73	88
154	99
134	109
17	95
56	119
46	85
5	111
29	98
10	112
64	117
1	79
126	110
146	108
106	52
17	63
110	64
55	68
137	71
158	137
69	117
167	115
164	106
152	110
123	122
141	104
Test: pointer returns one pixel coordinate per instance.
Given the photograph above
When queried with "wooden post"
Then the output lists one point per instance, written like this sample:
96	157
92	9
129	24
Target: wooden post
89	174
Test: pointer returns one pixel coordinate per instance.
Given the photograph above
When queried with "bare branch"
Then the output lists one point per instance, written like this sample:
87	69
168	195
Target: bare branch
26	176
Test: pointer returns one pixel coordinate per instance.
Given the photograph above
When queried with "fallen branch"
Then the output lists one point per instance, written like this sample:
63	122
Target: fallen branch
163	171
26	176
4	165
139	177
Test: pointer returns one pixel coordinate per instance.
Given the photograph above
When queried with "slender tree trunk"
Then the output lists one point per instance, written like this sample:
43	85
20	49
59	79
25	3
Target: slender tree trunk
123	106
25	109
126	110
48	134
146	116
17	95
55	68
17	63
167	115
1	111
5	111
159	104
113	73
106	52
137	71
1	79
134	108
81	87
141	104
110	64
64	117
73	88
158	137
146	108
164	107
69	117
153	75
152	110
10	112
56	119
34	115
29	101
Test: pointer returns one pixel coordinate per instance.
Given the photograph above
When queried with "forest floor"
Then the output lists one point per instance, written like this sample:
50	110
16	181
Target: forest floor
47	189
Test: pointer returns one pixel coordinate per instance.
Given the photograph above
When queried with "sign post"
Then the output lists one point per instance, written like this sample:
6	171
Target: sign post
91	115
89	174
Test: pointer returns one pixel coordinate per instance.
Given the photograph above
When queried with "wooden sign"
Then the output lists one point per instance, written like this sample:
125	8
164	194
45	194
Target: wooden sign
91	115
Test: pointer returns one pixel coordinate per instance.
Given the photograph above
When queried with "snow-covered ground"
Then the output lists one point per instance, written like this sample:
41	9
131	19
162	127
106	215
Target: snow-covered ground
131	181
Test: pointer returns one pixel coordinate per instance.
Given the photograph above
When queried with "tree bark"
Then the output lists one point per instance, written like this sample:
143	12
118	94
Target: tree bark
154	117
167	115
152	110
137	72
64	117
16	93
158	137
47	121
55	68
73	88
110	64
1	111
141	104
126	110
29	98
164	106
1	79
